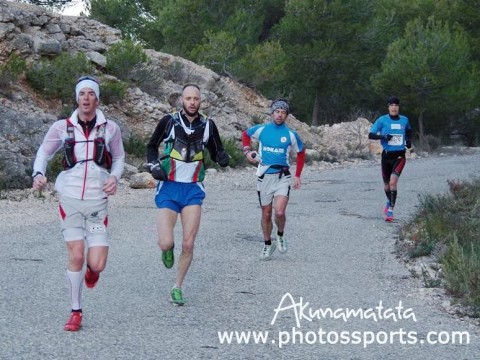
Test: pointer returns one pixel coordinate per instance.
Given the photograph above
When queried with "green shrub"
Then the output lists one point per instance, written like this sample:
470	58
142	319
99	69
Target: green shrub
237	158
438	215
123	57
57	77
136	146
15	65
174	70
3	188
148	79
12	69
256	119
112	91
433	142
462	273
316	156
432	222
66	110
451	223
55	167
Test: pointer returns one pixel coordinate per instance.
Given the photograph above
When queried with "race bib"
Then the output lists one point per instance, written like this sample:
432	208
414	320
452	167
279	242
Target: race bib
97	228
396	140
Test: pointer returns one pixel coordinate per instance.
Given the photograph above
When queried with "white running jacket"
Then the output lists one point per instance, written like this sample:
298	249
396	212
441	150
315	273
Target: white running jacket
86	179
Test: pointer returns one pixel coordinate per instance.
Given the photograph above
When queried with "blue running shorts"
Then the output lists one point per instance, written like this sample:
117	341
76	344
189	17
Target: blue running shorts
176	195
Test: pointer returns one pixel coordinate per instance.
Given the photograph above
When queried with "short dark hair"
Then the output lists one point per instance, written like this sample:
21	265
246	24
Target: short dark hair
393	100
190	84
87	77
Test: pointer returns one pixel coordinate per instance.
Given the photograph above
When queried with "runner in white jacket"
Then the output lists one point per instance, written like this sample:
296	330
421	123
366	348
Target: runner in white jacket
86	179
94	161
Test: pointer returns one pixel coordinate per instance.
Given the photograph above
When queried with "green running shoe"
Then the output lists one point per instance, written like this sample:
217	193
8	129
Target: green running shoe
168	257
177	297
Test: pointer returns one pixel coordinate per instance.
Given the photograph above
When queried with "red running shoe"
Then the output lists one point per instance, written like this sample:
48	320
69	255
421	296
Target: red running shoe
389	216
387	206
74	321
91	278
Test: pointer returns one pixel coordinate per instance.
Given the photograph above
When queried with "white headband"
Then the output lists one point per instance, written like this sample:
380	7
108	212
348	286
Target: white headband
88	84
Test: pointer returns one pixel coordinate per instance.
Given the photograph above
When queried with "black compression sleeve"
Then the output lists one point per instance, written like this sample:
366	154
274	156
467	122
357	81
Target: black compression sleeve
156	139
408	134
214	143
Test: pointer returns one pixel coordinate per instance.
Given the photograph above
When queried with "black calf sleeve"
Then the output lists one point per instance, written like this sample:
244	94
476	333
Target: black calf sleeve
393	198
388	193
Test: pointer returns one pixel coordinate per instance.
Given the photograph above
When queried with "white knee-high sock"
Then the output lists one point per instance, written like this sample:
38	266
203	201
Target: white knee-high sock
75	286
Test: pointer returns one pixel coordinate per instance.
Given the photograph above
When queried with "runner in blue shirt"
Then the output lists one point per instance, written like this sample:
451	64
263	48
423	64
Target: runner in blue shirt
395	134
275	141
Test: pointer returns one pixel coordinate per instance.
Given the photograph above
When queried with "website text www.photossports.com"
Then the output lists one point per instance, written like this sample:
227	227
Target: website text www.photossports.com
296	336
302	312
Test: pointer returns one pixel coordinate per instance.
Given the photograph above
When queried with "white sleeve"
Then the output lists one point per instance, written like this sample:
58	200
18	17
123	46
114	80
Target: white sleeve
116	149
52	142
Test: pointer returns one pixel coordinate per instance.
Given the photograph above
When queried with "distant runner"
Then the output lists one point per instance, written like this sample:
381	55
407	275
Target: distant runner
395	134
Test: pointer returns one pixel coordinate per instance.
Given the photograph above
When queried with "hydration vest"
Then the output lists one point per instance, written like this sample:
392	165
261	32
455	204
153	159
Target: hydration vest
101	156
182	146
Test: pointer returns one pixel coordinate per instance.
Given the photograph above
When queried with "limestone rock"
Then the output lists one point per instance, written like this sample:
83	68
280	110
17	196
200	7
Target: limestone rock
25	117
142	180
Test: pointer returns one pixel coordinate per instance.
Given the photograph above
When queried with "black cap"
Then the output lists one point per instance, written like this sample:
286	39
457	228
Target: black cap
393	100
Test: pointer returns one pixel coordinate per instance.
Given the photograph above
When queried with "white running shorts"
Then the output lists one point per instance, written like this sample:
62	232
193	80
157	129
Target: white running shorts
84	220
271	185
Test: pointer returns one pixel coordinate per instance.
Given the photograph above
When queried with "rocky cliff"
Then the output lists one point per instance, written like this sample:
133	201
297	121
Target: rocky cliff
34	33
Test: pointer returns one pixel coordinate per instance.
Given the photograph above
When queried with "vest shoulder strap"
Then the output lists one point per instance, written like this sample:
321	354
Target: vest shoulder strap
100	130
101	155
176	117
70	128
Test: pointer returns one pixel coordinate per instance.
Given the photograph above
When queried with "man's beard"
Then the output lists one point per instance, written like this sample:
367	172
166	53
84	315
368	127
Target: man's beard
190	113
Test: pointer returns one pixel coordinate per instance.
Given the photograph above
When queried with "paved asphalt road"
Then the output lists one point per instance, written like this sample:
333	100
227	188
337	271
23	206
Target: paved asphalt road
340	259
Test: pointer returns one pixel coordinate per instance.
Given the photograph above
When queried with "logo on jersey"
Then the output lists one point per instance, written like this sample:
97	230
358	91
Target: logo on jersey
283	139
273	150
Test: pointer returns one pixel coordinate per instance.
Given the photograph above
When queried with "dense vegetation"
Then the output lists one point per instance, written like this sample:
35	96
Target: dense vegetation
333	59
446	227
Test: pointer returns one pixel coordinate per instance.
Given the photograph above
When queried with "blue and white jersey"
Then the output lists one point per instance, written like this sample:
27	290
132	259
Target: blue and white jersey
385	125
275	143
